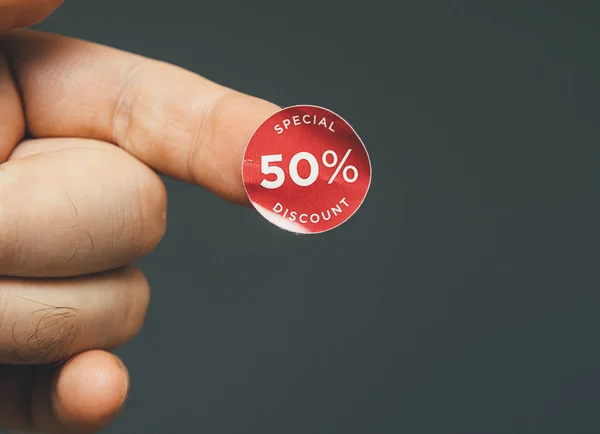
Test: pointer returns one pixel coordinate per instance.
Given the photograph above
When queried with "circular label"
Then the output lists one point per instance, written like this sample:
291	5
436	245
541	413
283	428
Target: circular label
306	170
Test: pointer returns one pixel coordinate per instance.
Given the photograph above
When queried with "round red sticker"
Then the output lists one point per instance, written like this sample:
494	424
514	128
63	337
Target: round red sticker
306	170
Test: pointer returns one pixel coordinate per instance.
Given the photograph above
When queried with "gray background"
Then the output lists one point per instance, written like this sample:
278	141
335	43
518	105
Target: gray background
462	298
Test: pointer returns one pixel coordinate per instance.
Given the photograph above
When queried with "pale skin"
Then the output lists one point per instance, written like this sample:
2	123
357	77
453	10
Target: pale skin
84	129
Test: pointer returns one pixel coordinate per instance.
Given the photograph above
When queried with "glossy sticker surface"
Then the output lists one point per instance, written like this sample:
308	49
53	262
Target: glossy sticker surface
306	170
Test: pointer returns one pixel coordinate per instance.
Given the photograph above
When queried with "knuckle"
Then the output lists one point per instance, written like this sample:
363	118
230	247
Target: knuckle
11	243
126	100
134	311
149	202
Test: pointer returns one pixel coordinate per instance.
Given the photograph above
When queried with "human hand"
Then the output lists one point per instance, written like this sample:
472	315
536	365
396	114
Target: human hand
81	128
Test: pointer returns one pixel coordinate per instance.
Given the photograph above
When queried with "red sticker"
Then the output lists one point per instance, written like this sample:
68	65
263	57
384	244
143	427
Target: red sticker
306	170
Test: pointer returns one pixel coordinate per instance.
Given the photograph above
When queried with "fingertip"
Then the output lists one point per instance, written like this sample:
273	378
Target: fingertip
217	161
90	390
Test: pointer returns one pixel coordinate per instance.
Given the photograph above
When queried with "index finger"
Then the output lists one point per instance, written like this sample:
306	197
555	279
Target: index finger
175	121
22	13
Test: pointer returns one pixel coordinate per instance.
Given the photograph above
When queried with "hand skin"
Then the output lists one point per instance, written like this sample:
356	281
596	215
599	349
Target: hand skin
83	131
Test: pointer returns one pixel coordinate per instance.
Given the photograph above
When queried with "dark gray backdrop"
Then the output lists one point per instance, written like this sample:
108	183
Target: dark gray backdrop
462	298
